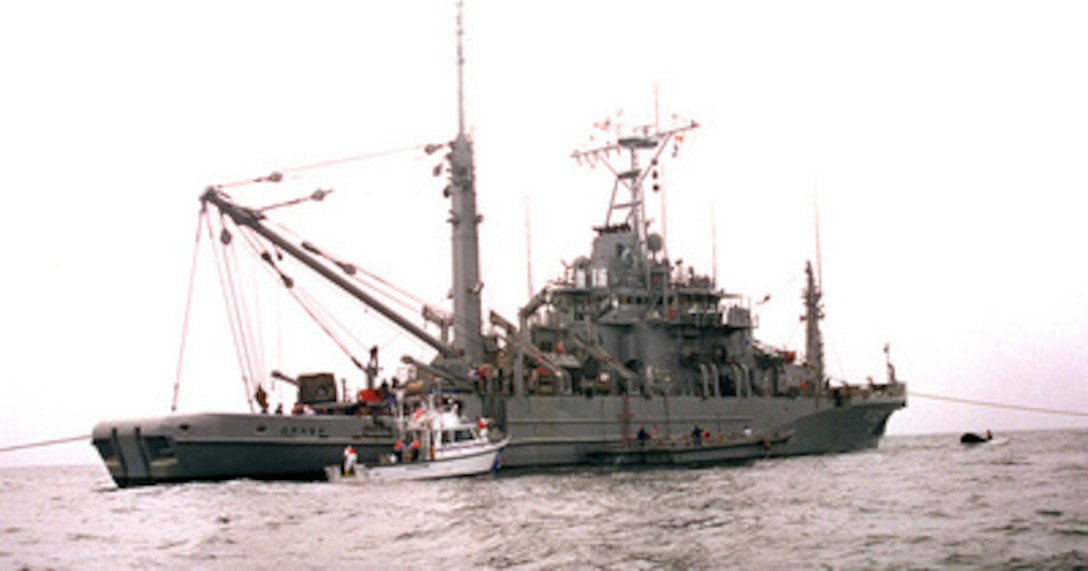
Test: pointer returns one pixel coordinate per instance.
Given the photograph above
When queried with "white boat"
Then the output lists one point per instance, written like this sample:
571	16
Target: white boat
436	442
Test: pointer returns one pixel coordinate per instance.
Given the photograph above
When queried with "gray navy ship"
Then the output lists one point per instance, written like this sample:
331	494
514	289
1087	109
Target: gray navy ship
628	358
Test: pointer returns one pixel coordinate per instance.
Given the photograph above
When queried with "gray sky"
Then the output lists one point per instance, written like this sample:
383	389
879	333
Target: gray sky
946	142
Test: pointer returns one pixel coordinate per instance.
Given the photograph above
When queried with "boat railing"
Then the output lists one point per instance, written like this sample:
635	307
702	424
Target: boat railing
847	392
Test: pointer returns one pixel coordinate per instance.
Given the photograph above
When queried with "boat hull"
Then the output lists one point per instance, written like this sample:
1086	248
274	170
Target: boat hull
544	431
741	450
485	459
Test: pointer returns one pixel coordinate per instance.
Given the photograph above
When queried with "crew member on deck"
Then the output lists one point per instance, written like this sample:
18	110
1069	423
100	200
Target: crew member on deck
481	424
262	399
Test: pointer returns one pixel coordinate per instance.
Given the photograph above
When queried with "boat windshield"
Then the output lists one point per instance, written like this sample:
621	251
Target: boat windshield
461	435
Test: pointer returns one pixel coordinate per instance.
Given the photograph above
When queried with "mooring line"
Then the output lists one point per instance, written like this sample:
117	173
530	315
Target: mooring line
914	393
43	443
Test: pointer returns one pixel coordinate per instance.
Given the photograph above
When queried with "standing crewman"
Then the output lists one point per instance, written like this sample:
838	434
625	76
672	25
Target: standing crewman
349	460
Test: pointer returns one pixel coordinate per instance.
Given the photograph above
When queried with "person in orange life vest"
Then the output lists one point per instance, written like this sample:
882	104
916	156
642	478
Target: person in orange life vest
481	424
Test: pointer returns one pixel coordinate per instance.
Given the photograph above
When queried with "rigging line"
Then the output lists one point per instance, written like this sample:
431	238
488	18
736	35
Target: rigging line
221	265
367	285
793	334
277	176
371	275
914	393
324	318
397	334
415	306
338	261
323	315
788	284
324	327
258	336
828	344
249	339
266	255
305	300
420	302
188	307
260	252
28	445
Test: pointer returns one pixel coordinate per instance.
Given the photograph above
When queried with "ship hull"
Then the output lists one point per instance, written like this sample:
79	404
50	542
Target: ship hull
216	446
561	431
544	431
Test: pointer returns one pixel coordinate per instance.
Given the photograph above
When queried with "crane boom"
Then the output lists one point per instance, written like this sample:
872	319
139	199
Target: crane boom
252	218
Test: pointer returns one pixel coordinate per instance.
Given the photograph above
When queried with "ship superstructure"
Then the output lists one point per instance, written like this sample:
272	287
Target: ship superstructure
627	339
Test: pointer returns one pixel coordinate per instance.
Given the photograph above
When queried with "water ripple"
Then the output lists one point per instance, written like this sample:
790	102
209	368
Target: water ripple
917	502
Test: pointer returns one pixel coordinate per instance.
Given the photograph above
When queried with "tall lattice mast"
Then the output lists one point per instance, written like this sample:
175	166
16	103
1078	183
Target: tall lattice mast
632	210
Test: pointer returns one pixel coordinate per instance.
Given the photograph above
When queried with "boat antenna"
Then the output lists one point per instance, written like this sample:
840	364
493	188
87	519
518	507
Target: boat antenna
460	68
659	177
528	248
816	219
714	241
814	345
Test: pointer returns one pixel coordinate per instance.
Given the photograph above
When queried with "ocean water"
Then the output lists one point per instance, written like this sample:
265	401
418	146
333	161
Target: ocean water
916	502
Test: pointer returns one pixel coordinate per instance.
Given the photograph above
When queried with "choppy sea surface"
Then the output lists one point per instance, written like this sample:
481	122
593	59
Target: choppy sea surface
915	502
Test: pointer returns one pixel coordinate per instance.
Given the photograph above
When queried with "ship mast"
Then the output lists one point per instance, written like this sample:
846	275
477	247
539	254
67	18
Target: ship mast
814	343
652	140
464	220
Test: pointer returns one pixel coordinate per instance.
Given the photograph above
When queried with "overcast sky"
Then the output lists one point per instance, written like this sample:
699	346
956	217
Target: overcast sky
945	141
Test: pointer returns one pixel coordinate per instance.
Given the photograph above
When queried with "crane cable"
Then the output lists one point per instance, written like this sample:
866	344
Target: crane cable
277	176
188	307
235	313
355	276
324	319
